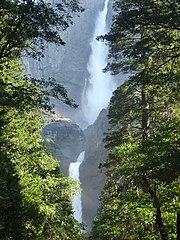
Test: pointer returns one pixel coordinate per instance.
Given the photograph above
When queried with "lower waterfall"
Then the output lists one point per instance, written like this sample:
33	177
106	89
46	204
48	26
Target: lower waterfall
74	173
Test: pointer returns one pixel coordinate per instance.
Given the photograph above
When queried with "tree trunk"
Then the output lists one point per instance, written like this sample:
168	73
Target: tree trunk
160	224
156	204
178	225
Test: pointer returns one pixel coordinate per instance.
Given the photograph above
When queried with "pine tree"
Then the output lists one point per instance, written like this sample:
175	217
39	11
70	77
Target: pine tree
141	195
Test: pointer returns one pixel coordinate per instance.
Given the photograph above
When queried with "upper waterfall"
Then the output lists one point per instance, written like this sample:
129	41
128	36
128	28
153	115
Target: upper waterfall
99	85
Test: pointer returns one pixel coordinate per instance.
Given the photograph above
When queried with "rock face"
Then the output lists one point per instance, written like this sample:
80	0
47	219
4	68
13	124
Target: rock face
68	64
68	140
92	175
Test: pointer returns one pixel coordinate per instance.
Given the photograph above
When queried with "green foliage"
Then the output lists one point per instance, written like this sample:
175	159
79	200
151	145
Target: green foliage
142	177
141	195
35	197
144	35
27	25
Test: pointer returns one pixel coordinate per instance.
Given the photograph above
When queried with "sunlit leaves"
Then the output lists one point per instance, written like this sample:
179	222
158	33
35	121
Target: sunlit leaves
44	192
35	197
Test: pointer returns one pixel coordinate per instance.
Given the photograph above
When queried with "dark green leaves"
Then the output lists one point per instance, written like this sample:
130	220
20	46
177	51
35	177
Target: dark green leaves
27	25
141	195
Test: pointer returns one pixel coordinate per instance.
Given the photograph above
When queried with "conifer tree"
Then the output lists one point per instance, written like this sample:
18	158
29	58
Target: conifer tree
141	195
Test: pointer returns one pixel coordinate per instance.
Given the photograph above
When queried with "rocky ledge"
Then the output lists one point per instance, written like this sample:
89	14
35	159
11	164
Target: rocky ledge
66	140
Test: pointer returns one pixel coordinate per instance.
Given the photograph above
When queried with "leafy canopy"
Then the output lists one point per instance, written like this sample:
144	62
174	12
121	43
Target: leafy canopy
141	195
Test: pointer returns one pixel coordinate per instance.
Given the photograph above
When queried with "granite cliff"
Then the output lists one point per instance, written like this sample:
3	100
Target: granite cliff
68	64
92	175
65	139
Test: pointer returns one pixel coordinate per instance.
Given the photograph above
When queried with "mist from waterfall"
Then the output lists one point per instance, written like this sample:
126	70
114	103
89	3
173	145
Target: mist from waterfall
99	86
74	173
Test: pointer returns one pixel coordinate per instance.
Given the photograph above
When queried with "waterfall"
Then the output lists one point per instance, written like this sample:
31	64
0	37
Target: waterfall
99	85
97	91
74	173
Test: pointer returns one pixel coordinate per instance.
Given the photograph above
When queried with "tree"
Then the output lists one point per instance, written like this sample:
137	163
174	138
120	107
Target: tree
144	36
35	197
142	174
27	25
141	196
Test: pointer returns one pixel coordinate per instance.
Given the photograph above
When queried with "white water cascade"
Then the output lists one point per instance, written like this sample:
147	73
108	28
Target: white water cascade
97	92
99	85
74	173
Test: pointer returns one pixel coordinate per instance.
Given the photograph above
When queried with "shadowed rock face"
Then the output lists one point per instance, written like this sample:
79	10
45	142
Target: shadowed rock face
92	177
68	141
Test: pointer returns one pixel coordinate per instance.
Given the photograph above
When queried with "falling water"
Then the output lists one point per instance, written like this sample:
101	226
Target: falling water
99	85
74	173
97	92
